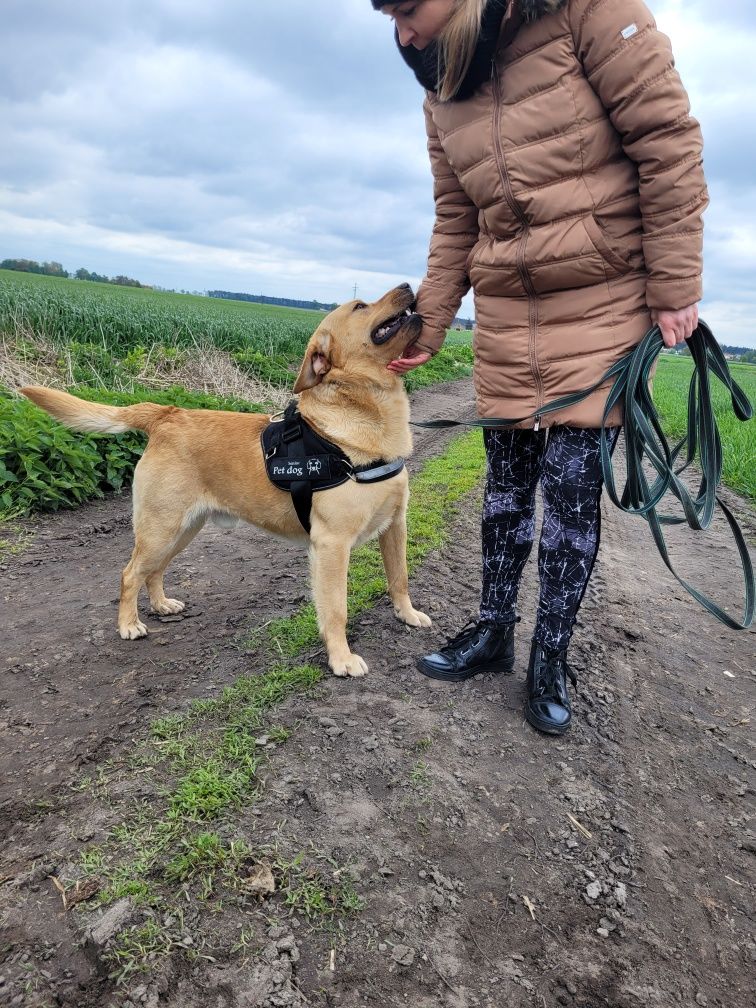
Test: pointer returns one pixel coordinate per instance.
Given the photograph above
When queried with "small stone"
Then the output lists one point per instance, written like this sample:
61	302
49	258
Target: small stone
403	954
593	890
111	922
701	999
602	932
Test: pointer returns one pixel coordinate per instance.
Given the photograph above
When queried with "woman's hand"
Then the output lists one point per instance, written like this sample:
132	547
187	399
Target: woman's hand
676	325
412	357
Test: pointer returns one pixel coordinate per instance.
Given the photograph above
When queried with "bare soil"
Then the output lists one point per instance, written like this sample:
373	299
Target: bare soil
613	866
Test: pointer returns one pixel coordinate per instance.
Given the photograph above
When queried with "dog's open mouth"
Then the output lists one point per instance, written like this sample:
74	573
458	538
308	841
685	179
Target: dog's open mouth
389	328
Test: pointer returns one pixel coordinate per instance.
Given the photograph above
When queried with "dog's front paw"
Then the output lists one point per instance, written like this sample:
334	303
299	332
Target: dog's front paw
413	617
132	631
352	665
168	606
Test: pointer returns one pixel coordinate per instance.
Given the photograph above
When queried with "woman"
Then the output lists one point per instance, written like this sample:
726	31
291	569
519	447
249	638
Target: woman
568	190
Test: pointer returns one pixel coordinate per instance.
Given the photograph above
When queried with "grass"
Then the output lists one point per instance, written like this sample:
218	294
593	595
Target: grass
738	438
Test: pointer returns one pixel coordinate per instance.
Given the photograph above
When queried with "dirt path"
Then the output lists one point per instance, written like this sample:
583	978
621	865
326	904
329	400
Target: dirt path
498	867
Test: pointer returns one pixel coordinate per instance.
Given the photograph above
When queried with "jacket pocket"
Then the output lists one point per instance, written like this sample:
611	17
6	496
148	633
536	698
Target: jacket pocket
603	246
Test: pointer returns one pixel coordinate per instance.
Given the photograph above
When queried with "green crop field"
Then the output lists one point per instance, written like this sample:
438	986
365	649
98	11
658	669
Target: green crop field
738	438
107	332
121	318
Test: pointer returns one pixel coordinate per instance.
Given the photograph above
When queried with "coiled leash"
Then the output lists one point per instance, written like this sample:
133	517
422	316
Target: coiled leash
644	439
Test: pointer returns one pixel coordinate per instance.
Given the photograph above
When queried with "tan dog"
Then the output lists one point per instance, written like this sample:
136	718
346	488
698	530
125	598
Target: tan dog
202	464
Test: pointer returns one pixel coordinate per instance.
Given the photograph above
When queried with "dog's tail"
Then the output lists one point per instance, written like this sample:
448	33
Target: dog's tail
95	417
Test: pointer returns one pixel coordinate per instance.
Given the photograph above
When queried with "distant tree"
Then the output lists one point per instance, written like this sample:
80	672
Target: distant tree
748	357
84	274
21	265
54	269
124	281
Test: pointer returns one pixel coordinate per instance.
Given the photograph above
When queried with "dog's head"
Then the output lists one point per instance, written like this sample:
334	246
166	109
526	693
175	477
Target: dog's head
356	341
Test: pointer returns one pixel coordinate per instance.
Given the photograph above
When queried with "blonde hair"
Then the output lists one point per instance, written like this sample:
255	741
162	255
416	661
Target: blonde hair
456	45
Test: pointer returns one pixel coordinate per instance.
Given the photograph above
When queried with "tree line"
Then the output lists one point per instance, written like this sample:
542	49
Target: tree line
266	299
55	269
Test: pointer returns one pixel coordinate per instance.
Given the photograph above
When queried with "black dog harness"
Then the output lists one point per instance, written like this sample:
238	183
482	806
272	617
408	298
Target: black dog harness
302	462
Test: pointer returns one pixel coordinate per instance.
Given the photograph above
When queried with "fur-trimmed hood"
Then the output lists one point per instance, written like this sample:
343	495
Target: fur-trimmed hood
534	9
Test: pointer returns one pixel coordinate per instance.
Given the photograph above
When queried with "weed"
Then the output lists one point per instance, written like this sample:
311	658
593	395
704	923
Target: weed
202	857
209	789
419	775
92	860
245	939
309	889
17	540
140	892
138	948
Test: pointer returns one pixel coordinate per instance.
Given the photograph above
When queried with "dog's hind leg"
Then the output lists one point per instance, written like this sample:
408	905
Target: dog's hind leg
154	548
393	543
160	604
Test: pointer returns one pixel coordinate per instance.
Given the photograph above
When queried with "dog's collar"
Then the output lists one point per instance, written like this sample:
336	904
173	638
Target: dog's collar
300	461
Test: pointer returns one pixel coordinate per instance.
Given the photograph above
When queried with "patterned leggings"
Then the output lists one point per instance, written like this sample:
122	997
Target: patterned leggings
568	463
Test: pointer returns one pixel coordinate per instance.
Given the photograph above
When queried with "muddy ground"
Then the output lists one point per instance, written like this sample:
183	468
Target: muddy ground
497	866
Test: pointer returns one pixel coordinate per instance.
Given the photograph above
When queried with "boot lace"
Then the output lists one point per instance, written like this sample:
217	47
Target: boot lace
551	675
466	635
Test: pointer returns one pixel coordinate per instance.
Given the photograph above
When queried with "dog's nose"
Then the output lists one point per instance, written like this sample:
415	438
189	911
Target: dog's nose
406	286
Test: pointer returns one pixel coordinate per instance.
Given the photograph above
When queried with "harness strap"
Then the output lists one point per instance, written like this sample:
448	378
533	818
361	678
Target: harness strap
301	497
298	460
376	473
645	442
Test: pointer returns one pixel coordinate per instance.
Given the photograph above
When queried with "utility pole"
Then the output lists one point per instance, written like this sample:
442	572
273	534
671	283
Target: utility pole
354	293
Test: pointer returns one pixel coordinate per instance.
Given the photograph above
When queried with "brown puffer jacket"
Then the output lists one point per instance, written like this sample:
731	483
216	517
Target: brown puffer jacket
569	191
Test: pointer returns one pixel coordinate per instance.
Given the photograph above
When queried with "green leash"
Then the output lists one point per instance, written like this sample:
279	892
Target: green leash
644	439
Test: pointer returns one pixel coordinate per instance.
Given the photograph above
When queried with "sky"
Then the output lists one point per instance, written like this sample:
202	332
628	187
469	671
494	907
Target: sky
279	148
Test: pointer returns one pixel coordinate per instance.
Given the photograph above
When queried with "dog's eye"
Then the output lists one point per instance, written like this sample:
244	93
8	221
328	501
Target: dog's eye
359	305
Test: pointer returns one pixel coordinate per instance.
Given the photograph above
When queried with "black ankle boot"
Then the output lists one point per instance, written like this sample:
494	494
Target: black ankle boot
548	705
481	646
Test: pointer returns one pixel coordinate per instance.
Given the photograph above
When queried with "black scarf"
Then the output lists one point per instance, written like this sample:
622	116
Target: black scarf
425	63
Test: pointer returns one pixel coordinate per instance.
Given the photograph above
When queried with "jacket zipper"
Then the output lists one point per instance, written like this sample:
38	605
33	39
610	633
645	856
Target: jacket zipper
527	283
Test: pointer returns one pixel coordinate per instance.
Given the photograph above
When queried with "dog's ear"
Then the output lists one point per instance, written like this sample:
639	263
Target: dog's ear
316	363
